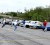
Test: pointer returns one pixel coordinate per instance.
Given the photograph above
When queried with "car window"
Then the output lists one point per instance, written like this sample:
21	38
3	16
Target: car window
48	24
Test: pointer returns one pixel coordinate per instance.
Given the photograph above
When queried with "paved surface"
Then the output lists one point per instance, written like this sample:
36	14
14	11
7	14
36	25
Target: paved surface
23	36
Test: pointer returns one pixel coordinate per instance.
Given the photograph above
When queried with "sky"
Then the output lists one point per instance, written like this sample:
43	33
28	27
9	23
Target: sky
20	5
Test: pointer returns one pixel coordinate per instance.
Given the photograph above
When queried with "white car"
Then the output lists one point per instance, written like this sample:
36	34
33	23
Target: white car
33	24
19	22
14	21
26	22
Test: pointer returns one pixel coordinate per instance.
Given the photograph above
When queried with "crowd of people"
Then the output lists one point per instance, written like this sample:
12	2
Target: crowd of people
45	24
15	24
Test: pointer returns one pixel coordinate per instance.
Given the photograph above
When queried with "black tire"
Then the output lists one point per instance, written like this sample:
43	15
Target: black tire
27	26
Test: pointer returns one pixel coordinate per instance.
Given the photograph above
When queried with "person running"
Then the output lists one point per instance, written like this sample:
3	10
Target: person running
15	25
44	24
4	20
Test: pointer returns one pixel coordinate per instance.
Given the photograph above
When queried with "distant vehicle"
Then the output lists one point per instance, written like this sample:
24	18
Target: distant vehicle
8	21
19	22
42	27
14	21
33	24
26	22
1	20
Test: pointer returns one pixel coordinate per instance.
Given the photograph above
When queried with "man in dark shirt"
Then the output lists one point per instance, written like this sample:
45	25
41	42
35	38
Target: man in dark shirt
23	23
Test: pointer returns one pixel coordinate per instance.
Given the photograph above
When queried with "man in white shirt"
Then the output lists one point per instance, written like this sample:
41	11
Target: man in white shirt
15	25
4	20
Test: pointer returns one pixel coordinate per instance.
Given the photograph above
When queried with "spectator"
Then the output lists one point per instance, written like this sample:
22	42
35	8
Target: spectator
23	23
15	25
44	24
4	20
11	23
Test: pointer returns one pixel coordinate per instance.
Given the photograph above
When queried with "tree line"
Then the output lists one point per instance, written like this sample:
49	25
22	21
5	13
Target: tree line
37	14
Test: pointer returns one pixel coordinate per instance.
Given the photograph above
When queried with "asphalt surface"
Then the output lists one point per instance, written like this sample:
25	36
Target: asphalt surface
23	36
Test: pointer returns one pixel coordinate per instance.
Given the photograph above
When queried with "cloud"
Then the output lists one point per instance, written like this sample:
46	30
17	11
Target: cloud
20	5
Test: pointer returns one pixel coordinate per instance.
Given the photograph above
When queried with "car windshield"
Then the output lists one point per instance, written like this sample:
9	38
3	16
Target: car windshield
32	22
26	21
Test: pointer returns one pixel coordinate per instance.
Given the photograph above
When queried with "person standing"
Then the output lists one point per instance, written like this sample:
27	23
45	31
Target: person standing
15	25
4	20
45	24
11	23
23	23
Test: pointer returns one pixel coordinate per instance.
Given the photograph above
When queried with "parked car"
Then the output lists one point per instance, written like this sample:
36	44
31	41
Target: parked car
8	21
33	24
42	27
1	20
26	22
19	22
14	21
